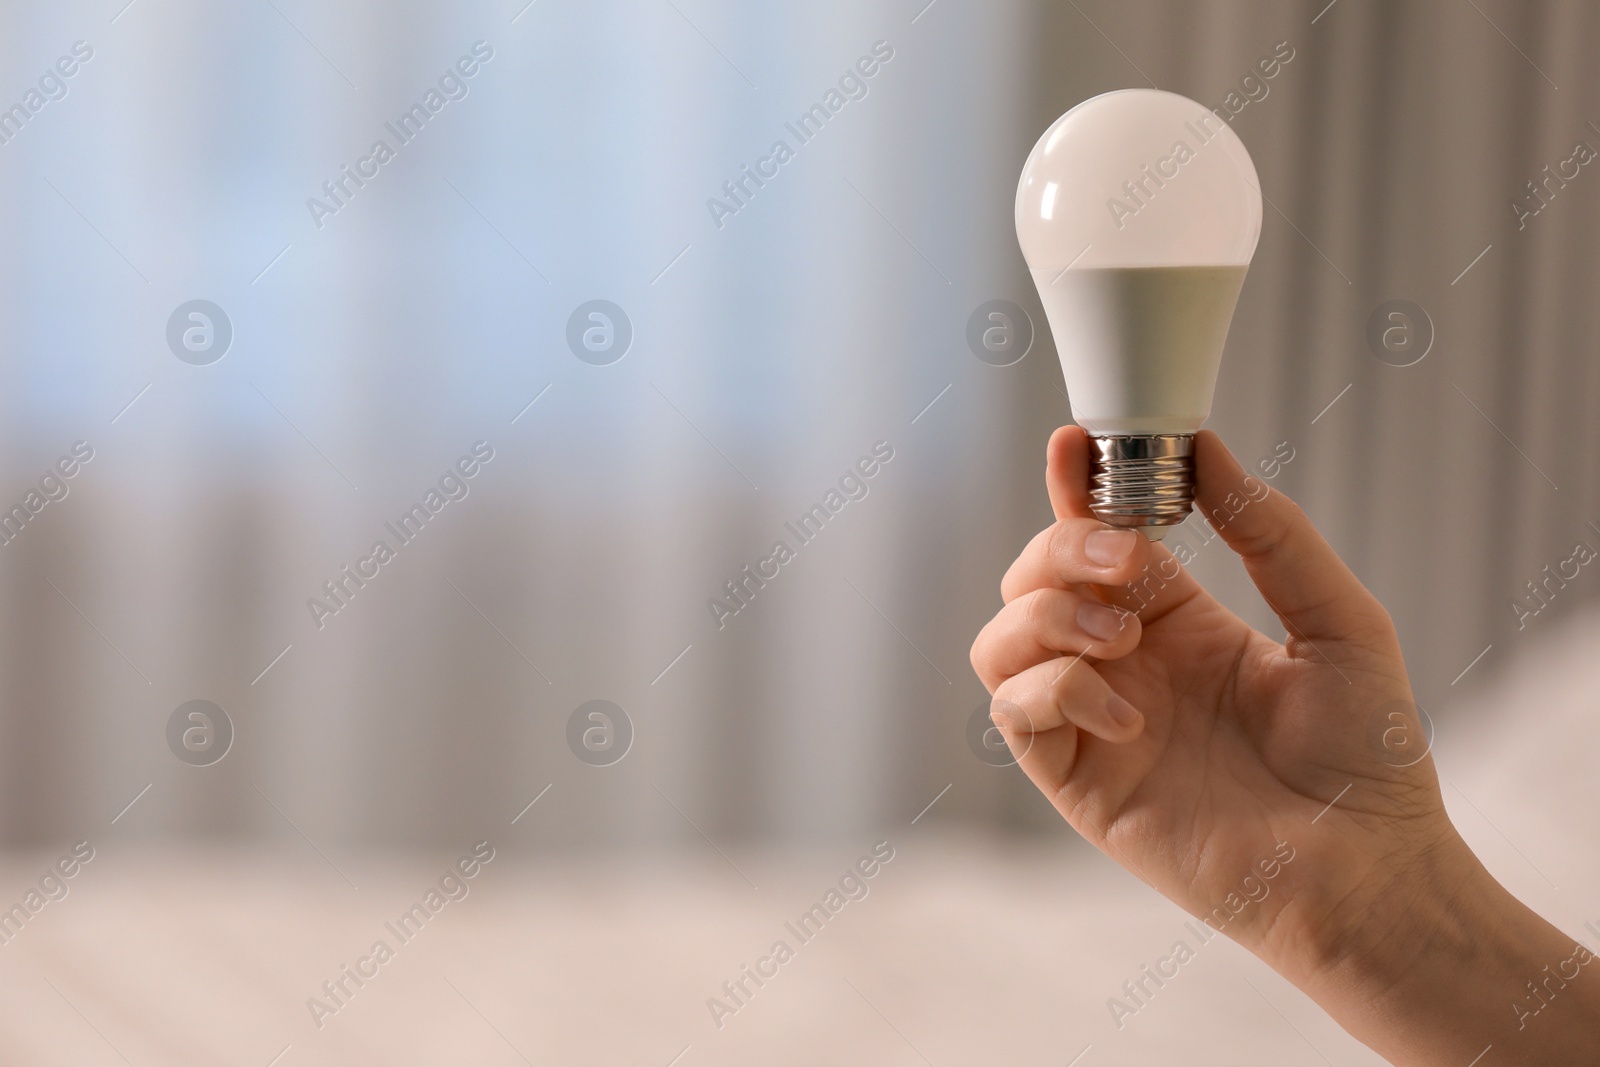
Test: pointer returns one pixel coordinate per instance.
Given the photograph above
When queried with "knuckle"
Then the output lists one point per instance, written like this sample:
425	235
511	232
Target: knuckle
1035	610
1063	681
1061	547
1021	575
981	654
1262	543
1383	622
1011	583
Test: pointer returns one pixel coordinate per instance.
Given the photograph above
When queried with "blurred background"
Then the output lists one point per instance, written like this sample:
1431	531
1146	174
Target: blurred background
361	335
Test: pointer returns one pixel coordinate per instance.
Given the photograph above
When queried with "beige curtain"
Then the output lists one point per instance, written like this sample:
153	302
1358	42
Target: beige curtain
827	315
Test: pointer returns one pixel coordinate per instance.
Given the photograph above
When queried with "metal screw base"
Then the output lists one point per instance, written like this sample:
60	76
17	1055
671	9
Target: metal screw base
1142	481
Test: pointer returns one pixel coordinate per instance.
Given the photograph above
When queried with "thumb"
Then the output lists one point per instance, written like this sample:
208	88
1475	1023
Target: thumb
1302	579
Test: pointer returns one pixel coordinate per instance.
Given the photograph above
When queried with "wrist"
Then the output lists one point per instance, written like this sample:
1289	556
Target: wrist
1433	892
1430	961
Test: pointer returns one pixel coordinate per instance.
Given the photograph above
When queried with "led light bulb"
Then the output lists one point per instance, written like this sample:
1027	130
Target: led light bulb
1138	212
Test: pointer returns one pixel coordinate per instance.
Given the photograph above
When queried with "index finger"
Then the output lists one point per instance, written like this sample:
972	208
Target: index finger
1066	473
1151	588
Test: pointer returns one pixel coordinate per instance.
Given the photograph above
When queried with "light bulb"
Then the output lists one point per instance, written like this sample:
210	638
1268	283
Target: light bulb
1138	212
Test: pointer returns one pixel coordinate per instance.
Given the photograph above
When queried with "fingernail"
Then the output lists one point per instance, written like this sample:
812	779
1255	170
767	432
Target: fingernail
1109	547
1122	713
1099	621
999	718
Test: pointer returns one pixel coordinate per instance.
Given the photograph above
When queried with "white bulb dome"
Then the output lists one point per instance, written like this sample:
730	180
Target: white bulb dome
1139	178
1138	212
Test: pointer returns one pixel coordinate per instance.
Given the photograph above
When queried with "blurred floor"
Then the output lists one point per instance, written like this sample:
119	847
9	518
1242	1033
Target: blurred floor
962	952
965	949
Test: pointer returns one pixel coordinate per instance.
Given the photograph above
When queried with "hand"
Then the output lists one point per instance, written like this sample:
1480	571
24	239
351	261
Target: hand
1183	742
1247	780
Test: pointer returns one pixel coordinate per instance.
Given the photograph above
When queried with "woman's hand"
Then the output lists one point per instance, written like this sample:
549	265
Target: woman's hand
1280	792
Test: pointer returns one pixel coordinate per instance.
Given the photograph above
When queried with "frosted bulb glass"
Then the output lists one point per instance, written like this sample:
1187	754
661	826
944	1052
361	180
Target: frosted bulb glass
1138	212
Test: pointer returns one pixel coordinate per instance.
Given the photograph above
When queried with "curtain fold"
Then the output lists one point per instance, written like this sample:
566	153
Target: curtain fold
818	315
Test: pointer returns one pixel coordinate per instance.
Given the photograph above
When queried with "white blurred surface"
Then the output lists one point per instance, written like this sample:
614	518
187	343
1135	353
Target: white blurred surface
967	949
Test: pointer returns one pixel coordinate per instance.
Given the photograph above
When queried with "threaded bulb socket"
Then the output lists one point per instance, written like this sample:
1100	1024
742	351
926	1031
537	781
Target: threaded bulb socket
1142	481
